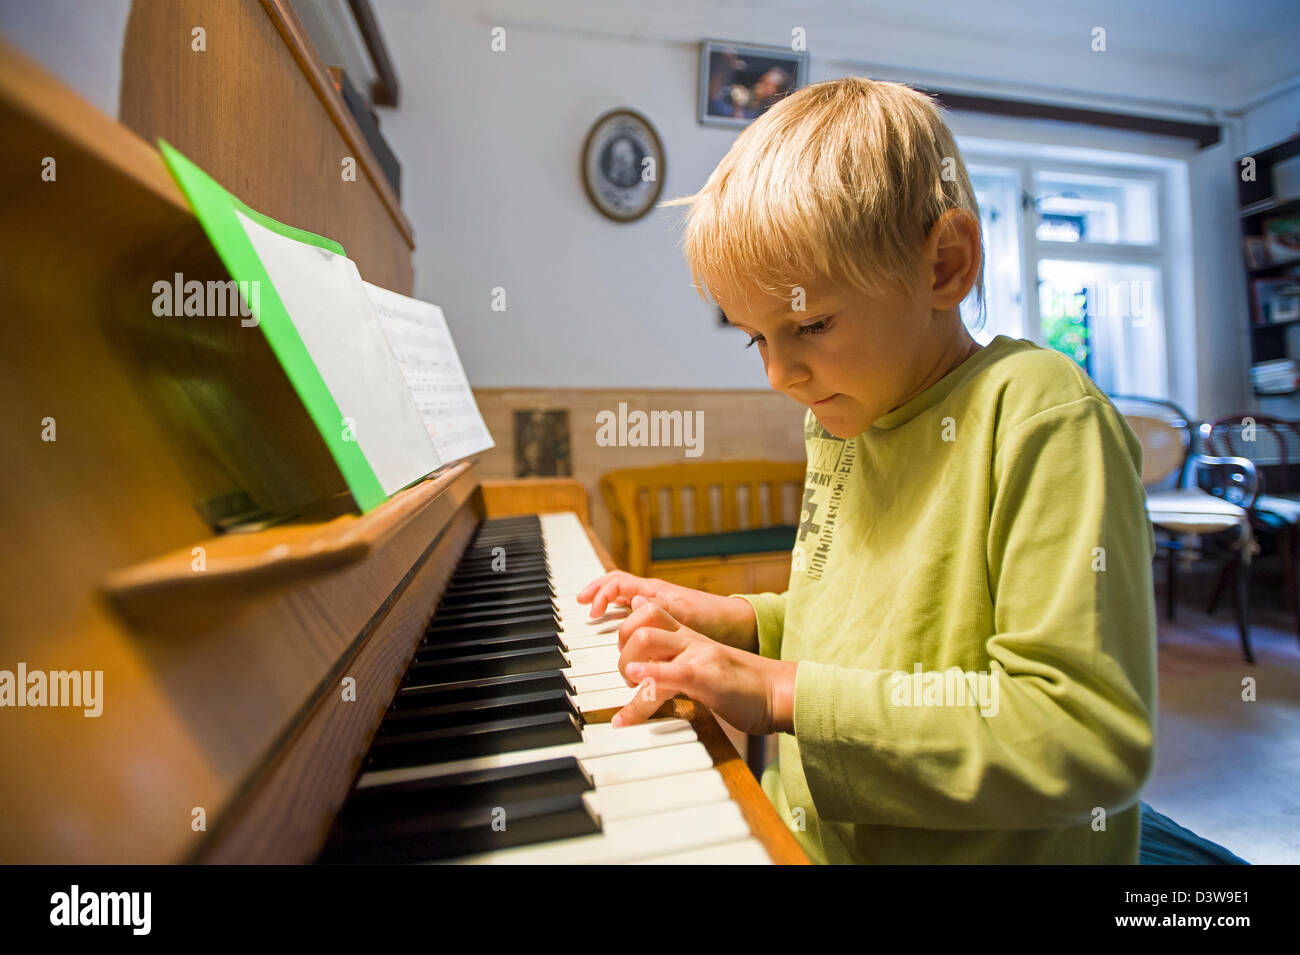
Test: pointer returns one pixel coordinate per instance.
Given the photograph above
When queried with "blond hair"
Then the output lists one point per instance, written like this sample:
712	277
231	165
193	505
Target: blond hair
840	181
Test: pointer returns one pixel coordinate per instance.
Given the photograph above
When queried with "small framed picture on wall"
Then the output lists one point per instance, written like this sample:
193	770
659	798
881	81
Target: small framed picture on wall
739	83
542	443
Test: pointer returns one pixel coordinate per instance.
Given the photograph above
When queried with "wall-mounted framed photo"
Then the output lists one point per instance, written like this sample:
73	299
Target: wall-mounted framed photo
739	83
542	443
623	165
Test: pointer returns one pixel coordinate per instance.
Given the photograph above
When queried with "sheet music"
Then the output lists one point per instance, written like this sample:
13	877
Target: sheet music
324	297
418	334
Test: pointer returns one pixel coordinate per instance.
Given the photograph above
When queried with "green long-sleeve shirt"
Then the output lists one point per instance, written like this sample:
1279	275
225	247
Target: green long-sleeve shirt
995	524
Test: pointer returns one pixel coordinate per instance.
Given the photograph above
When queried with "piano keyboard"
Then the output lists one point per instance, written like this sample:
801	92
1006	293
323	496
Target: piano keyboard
488	753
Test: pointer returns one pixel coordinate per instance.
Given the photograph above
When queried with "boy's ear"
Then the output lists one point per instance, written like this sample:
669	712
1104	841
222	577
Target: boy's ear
953	249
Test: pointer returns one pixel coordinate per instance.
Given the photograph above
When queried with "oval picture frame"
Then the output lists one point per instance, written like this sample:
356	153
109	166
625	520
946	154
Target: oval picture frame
613	165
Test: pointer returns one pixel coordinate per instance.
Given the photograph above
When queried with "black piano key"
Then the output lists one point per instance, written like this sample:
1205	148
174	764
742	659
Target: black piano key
490	612
518	563
521	532
523	543
416	694
428	838
522	625
375	805
522	579
500	560
476	739
418	719
522	521
514	578
494	644
478	594
510	542
510	551
480	665
502	603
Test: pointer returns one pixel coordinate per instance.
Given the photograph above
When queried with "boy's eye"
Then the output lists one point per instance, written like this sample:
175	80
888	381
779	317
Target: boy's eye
816	328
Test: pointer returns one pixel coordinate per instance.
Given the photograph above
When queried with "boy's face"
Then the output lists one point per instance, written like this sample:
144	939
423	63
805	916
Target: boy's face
850	357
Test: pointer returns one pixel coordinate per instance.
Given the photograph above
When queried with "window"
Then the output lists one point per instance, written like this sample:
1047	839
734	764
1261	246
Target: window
1103	315
1088	237
1083	208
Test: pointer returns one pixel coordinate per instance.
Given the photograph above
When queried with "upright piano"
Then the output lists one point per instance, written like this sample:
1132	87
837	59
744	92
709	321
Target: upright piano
284	678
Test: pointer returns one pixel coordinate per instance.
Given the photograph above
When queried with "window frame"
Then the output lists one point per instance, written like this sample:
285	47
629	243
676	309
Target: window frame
1033	250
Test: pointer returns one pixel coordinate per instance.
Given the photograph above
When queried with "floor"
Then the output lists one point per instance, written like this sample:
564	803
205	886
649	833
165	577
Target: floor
1227	769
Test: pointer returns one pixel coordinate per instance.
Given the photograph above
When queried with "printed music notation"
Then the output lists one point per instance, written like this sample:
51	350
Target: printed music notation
418	334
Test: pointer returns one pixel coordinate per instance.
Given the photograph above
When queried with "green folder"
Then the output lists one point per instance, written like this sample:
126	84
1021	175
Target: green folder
216	211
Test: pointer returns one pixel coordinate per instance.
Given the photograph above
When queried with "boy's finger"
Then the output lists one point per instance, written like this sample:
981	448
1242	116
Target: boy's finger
650	645
619	589
587	592
607	594
648	614
651	694
669	677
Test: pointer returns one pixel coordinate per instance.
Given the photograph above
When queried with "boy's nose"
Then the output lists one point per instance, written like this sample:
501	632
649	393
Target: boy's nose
783	373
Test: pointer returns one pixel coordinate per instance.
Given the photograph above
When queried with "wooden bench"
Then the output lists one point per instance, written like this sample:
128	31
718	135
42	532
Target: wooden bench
720	526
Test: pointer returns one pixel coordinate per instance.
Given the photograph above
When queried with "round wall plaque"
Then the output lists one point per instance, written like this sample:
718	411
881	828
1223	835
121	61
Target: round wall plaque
623	165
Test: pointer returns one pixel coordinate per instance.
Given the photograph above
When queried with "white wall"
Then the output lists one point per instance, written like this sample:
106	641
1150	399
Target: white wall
1273	120
78	40
490	147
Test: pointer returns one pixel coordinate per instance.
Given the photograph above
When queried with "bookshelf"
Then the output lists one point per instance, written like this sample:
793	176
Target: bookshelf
1269	210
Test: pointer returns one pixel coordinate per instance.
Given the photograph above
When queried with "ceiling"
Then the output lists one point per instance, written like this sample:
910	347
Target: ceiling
1195	54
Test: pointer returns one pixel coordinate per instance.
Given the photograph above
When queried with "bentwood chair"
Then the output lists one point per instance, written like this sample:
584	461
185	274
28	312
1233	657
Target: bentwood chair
1273	444
1190	521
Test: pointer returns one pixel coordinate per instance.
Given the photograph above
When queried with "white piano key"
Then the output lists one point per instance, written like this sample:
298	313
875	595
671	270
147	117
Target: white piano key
629	840
598	681
571	642
648	763
579	621
608	633
599	739
595	655
648	796
589	662
619	696
743	852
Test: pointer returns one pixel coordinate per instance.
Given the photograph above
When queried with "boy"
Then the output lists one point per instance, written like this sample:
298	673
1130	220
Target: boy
963	667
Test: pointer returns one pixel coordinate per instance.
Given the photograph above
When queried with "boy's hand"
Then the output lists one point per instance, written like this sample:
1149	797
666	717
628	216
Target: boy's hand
729	620
664	657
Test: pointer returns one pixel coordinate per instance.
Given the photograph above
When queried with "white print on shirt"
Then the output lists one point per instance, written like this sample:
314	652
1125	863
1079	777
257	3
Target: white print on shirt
830	459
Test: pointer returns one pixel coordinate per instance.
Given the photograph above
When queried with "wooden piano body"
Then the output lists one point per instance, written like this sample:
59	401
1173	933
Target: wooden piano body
224	734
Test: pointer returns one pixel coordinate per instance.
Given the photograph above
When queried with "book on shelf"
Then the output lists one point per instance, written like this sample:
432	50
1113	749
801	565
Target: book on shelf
1282	236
